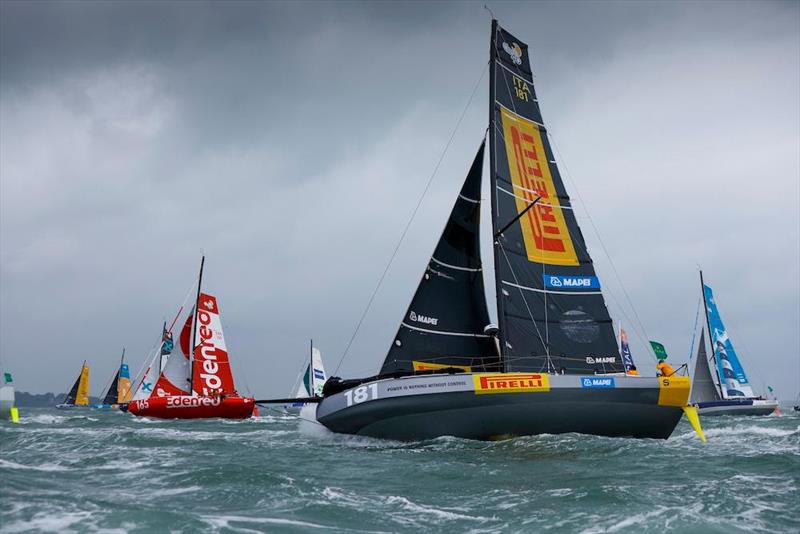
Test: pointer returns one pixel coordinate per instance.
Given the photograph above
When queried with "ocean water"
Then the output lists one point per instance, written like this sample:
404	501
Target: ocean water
109	471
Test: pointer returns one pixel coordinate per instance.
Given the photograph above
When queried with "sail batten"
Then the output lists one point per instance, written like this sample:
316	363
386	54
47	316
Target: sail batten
445	322
551	310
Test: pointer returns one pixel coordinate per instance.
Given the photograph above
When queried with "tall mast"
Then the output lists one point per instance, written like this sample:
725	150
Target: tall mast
194	325
710	335
122	359
161	350
493	191
311	367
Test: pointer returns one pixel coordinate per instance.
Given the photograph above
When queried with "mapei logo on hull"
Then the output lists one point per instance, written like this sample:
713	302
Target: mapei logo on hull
597	382
510	382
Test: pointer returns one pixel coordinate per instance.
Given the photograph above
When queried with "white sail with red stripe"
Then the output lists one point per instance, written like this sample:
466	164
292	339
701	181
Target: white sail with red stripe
174	379
211	372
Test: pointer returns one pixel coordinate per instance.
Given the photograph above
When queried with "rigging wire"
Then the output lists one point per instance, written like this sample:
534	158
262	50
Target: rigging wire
603	245
530	313
153	353
694	329
410	220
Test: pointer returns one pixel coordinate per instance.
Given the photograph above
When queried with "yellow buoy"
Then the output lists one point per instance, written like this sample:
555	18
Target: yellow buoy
694	420
14	414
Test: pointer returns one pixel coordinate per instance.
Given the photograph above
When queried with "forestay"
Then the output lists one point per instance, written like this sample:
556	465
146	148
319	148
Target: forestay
444	324
174	379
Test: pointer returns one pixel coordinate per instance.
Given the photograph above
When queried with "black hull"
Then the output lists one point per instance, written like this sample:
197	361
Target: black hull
618	412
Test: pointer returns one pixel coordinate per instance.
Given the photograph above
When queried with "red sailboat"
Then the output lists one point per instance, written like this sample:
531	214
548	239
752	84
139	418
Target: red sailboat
197	383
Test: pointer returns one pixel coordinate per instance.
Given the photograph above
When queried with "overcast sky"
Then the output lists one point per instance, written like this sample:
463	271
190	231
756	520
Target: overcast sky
290	143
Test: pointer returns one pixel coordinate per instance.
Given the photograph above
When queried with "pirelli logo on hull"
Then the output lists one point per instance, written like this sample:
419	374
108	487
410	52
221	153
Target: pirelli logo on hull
510	383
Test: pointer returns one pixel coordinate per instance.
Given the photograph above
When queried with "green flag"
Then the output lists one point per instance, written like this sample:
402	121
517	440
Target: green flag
658	348
8	378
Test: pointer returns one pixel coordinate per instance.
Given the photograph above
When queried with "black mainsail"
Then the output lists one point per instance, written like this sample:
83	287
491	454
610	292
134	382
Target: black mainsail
444	324
113	390
73	392
551	312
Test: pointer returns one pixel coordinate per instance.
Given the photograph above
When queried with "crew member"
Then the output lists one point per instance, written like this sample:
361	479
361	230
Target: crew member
632	371
664	369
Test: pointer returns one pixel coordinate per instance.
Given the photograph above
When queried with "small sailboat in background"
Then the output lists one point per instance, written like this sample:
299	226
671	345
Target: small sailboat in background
625	352
155	364
720	385
119	391
8	409
198	383
78	396
310	383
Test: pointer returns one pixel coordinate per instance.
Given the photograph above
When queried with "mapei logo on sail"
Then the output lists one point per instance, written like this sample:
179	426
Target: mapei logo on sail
423	319
510	382
571	282
603	359
597	382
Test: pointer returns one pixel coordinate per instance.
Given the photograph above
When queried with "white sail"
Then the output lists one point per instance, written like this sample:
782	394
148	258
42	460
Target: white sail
318	376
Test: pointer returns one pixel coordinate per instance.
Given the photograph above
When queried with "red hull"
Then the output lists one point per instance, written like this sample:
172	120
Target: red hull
190	407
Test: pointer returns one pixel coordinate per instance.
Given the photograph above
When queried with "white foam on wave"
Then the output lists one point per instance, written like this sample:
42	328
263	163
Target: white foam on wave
739	430
49	522
751	430
627	522
168	492
41	419
228	522
440	513
42	467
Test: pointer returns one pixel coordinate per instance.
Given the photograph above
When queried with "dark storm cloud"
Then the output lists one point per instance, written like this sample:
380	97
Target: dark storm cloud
290	142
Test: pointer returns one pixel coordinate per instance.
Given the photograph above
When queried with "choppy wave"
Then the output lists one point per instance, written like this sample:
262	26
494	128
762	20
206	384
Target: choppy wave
114	473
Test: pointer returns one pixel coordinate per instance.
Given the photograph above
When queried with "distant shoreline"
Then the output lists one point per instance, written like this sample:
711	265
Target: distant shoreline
23	399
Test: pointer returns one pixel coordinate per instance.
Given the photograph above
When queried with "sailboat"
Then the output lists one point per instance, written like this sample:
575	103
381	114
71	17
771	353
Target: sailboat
625	352
311	382
8	409
552	364
720	385
198	383
78	396
119	391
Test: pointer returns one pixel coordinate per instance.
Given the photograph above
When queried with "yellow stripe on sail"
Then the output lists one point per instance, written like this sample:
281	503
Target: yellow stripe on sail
82	397
123	390
425	366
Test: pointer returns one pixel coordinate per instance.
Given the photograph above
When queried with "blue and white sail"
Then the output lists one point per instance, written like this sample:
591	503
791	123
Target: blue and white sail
733	380
314	377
